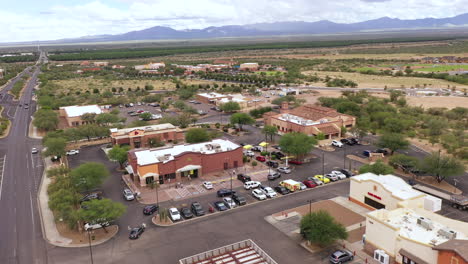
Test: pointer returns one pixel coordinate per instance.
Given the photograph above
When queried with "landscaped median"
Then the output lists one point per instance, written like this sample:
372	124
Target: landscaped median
4	125
165	221
63	210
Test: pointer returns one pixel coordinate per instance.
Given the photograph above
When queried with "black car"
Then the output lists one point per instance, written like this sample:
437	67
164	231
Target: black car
240	200
346	141
186	213
150	209
341	256
220	206
225	192
272	164
273	175
355	141
381	150
278	154
197	209
243	178
282	190
347	173
136	232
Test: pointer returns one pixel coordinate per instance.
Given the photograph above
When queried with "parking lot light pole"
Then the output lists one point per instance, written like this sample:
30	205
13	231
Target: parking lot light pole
90	248
310	206
344	156
323	162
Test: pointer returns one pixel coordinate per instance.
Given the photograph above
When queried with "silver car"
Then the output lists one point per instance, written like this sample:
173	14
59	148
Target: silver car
128	195
284	170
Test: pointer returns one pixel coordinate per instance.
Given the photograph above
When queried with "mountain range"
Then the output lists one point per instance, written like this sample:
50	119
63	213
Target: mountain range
281	29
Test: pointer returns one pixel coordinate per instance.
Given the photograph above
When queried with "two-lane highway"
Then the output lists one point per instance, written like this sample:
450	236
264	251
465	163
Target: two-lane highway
20	227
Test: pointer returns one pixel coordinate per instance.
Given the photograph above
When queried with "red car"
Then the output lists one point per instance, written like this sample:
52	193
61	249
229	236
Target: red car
296	162
309	184
260	158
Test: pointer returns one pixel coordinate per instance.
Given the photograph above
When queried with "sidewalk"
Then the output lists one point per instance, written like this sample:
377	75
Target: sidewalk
193	188
49	229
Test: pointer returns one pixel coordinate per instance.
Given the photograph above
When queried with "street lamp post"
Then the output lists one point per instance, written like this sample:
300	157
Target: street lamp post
90	248
323	162
310	206
344	156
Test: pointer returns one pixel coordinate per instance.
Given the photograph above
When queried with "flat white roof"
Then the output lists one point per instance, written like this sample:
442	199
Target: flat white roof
299	120
406	221
397	186
212	95
145	128
77	110
164	155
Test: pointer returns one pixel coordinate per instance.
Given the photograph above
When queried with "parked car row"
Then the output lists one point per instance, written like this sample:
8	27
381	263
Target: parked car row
348	141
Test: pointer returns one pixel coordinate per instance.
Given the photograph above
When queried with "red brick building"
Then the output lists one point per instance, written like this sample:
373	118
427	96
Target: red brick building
144	137
309	119
183	162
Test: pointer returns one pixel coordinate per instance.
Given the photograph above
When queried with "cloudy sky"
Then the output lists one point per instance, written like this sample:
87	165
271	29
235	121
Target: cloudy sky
26	20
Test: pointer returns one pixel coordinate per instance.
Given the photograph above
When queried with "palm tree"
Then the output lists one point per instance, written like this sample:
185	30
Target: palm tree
155	185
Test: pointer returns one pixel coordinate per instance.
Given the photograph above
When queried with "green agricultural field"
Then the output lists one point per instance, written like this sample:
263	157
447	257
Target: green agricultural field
443	68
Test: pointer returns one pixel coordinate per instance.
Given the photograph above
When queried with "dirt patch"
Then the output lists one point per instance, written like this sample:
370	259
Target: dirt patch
374	81
439	101
341	214
97	236
86	84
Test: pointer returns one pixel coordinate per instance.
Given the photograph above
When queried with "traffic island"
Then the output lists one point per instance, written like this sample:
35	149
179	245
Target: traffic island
83	239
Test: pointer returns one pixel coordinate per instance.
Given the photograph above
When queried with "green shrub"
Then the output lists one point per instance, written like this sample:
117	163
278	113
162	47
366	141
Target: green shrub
254	163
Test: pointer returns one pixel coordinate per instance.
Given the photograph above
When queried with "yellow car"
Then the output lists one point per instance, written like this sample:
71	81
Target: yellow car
322	179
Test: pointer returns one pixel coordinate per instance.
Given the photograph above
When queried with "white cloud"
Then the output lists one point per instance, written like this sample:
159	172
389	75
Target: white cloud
96	18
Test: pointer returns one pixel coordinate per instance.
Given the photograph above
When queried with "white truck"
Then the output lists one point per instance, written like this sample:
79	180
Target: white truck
457	201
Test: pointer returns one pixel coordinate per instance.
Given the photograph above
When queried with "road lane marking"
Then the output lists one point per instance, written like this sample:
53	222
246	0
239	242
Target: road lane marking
1	177
32	212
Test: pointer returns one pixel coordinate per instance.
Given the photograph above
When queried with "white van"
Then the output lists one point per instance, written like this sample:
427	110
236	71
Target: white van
89	226
251	185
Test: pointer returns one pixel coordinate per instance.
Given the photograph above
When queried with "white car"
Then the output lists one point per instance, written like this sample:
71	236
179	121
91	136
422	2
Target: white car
89	226
156	116
251	185
332	177
286	170
249	153
337	144
338	174
72	152
208	185
174	214
257	193
128	195
269	192
34	151
303	186
229	202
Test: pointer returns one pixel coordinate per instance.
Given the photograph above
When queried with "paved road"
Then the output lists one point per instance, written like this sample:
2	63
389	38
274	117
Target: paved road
20	229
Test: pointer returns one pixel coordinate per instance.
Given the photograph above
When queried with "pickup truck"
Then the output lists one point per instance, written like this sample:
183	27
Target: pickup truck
457	201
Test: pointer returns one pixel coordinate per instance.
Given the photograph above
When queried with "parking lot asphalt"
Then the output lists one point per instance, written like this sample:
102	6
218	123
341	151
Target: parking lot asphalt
185	239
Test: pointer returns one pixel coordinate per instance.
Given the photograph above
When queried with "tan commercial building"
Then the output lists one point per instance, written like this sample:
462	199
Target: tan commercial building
309	119
389	192
146	136
219	99
249	66
181	163
72	114
403	228
150	66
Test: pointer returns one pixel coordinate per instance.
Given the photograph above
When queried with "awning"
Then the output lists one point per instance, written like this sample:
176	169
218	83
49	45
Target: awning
248	146
189	168
411	256
263	144
129	169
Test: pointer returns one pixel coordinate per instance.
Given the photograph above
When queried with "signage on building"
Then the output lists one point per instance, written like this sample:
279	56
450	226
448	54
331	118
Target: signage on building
375	196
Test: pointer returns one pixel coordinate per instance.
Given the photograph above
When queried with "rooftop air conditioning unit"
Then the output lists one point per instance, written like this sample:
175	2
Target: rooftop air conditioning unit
425	222
447	233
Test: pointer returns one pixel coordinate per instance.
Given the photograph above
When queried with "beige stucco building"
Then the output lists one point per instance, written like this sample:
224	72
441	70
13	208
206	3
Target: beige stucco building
72	114
402	226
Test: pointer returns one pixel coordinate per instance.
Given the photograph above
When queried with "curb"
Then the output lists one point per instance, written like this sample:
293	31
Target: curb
95	243
244	206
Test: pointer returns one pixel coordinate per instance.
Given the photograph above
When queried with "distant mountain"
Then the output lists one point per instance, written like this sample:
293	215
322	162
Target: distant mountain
280	28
